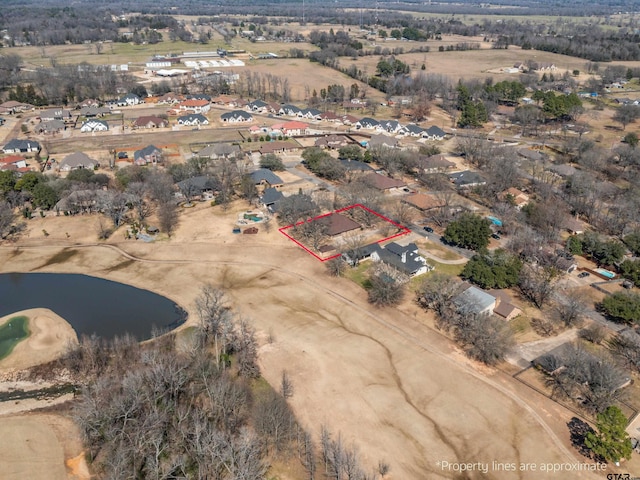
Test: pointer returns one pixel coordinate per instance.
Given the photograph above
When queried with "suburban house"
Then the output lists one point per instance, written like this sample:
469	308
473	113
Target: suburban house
50	126
128	100
278	146
406	259
329	116
384	183
467	179
435	164
391	126
193	105
21	146
310	113
519	198
196	185
93	111
413	130
94	126
11	106
474	300
382	141
337	224
236	116
149	154
423	201
507	310
331	141
88	102
574	226
294	128
349	120
257	106
435	133
55	114
150	122
77	160
220	150
289	110
13	162
355	165
270	198
193	119
169	99
368	123
264	176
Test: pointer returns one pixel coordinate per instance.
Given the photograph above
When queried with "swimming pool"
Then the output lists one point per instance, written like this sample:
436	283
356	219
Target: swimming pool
496	221
605	273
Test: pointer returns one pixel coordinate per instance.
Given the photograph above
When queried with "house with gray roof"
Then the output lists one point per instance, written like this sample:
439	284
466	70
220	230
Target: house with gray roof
264	176
413	130
289	110
475	301
435	133
310	113
55	114
406	259
128	100
382	141
77	160
236	116
258	106
93	111
355	165
149	154
391	126
50	126
467	179
220	150
367	123
21	146
270	198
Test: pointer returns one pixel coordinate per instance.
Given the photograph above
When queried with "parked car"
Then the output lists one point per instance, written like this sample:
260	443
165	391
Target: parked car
428	229
496	236
583	274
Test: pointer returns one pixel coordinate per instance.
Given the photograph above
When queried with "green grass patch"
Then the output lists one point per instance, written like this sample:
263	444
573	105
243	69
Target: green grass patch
60	257
12	333
359	274
446	268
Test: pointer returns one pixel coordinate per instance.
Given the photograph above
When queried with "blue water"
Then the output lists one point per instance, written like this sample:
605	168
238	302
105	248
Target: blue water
496	221
89	304
605	273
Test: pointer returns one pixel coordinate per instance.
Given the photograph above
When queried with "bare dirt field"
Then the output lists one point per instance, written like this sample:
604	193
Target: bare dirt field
40	446
382	378
49	338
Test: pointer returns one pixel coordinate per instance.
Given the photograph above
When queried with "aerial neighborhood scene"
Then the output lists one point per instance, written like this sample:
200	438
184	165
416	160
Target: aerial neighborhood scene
304	240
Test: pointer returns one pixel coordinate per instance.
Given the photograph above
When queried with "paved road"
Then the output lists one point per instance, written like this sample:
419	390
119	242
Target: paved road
435	238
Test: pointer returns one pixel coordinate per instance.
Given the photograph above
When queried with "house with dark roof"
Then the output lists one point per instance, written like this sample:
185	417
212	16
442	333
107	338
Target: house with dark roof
435	133
264	176
257	106
382	182
406	259
413	130
391	126
193	119
193	186
367	123
150	121
270	197
21	146
310	113
337	224
467	179
289	110
94	126
149	154
355	165
236	116
76	161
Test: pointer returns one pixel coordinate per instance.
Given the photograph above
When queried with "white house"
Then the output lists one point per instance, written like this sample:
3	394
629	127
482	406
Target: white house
403	258
236	116
94	126
128	100
194	119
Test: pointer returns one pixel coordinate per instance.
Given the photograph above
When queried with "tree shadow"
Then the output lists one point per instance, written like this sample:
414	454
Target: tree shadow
578	430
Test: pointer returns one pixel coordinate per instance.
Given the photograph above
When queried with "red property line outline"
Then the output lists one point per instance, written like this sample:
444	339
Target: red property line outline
404	231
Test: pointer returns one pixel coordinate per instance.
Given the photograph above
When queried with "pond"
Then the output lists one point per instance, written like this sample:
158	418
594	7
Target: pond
90	305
